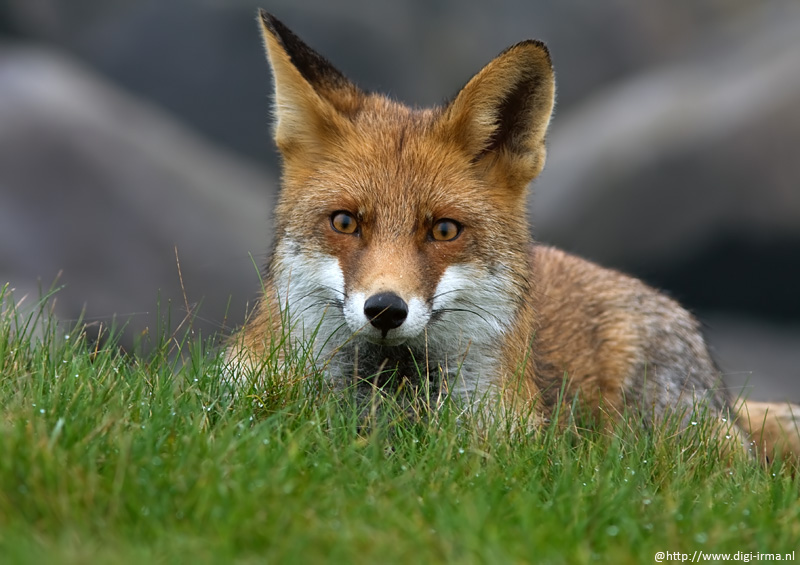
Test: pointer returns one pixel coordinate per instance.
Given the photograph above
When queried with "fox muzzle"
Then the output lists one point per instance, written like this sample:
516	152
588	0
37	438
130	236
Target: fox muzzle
386	311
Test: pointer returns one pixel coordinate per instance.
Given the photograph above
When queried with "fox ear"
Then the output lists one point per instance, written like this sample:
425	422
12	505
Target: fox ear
312	98
501	116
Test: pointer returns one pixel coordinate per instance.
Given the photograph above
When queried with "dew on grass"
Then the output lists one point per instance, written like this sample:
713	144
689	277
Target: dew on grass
612	531
41	410
694	423
461	450
701	537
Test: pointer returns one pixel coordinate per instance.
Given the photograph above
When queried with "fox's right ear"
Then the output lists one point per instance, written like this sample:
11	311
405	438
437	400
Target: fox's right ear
312	98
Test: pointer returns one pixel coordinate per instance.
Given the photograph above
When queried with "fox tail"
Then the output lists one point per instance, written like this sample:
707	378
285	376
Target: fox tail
773	428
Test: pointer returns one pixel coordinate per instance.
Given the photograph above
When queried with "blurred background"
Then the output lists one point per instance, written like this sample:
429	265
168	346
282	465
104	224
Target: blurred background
132	132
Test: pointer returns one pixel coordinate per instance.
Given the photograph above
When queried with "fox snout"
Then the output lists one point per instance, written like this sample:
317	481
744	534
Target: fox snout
384	316
386	311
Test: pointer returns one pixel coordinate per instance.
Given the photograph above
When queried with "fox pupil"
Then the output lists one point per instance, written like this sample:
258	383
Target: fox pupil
446	230
344	222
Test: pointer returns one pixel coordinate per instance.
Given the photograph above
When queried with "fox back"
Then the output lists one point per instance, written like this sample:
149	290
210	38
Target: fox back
403	253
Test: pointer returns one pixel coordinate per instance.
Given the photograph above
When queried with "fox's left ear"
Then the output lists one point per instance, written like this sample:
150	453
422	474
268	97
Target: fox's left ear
500	117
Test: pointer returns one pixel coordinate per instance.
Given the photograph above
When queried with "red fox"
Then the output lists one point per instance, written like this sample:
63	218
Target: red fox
402	248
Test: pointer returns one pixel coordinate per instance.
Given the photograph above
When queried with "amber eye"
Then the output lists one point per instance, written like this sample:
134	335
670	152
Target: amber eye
344	222
445	230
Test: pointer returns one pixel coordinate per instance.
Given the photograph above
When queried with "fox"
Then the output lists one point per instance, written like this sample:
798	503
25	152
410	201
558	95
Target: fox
403	253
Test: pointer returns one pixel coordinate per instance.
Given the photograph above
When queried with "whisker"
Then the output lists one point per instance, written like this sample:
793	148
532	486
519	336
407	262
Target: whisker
487	312
443	310
329	312
439	295
336	290
473	305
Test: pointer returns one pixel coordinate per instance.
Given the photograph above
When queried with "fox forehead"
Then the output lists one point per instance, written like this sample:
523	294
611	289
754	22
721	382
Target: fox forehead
392	167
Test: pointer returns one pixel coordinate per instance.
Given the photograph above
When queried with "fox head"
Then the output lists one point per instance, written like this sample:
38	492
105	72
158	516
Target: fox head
400	226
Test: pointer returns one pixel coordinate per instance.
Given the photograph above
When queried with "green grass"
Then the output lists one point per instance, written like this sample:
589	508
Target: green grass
107	458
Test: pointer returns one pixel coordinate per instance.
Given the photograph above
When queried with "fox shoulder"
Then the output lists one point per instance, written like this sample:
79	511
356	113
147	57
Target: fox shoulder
616	338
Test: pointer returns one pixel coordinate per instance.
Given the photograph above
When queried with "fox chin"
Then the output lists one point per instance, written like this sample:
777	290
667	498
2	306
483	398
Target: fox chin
403	254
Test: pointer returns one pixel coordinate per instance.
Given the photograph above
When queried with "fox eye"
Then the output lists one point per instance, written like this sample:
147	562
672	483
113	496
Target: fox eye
445	230
344	222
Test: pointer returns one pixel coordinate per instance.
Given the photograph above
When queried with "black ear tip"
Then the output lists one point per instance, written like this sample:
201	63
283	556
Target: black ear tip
533	45
542	47
279	30
270	22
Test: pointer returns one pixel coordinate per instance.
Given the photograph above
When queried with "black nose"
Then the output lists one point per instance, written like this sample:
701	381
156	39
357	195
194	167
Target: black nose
386	311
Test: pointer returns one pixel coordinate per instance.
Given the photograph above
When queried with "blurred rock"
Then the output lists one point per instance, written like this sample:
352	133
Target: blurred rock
655	169
103	188
758	360
675	120
203	60
672	152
